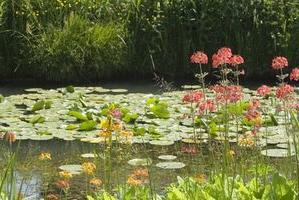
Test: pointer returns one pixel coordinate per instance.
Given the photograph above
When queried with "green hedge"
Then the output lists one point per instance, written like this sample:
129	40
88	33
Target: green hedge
67	39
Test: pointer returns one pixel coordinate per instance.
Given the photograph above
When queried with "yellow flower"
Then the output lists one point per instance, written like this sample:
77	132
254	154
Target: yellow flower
201	178
89	167
45	156
65	174
95	182
104	124
231	153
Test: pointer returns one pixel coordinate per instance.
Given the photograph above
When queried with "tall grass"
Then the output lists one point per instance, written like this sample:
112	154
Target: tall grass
167	30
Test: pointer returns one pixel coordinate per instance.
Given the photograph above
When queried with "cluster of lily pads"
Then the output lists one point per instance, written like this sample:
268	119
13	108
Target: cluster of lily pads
75	114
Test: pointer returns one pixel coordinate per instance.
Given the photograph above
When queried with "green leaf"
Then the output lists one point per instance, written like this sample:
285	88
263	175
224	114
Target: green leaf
130	117
274	121
1	98
70	89
37	119
151	101
139	131
71	127
88	125
78	115
160	110
38	106
48	104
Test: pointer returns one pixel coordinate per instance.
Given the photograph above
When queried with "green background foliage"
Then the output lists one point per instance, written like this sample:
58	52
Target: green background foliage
71	40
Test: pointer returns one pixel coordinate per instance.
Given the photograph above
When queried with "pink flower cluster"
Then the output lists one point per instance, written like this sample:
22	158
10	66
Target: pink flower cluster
199	58
279	62
284	91
193	97
224	56
263	90
294	74
228	93
207	105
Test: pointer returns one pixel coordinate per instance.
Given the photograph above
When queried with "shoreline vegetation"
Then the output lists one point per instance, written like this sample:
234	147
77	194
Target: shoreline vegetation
65	41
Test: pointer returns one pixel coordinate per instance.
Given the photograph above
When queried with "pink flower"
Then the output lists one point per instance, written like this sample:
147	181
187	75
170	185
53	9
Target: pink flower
193	97
225	52
228	93
254	104
189	150
116	113
279	62
294	74
207	105
236	60
199	58
284	91
221	57
263	90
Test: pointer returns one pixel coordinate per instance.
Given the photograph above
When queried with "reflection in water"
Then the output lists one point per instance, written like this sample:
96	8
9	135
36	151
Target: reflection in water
29	184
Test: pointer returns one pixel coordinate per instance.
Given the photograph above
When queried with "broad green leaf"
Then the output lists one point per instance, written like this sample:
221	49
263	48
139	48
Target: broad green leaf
37	119
78	115
88	125
70	89
38	106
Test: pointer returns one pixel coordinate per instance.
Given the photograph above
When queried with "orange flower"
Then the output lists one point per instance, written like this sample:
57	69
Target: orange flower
89	167
63	185
45	156
133	181
105	134
126	133
140	173
52	197
117	127
10	137
95	182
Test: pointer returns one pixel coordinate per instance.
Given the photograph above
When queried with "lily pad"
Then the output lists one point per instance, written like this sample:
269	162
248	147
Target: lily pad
162	142
88	155
167	157
277	153
140	162
170	165
73	169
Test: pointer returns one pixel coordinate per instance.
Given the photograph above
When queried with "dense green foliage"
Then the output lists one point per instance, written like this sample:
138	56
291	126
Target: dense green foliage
93	39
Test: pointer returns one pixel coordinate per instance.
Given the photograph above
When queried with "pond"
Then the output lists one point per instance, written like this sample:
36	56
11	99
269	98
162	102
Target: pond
67	124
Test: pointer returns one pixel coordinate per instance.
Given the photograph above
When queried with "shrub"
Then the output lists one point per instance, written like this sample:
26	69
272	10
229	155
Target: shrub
80	50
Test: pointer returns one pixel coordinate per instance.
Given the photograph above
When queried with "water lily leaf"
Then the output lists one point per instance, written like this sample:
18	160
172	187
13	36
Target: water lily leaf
78	115
37	119
88	125
167	157
277	153
162	142
73	169
140	162
170	165
48	104
71	127
38	106
1	98
70	89
88	155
